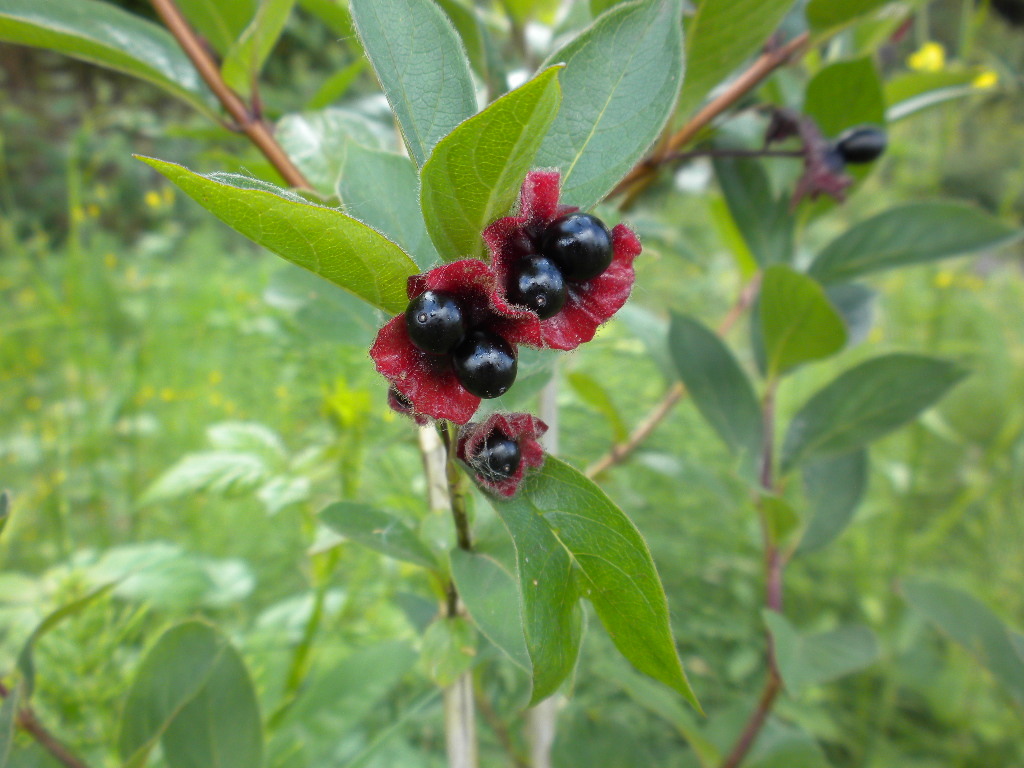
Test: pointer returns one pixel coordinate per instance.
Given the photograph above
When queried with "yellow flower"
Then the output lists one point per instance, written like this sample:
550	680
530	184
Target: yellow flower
944	279
931	57
153	199
986	79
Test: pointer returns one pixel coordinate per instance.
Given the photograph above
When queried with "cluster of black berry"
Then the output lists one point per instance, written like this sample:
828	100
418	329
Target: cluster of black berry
573	248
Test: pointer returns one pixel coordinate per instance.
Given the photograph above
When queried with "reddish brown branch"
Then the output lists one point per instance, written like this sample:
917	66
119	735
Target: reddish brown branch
642	175
757	719
253	127
29	723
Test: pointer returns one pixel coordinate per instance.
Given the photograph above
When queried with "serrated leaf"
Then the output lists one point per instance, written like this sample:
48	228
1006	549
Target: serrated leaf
865	403
379	531
474	174
846	94
218	22
762	217
718	387
721	35
192	693
797	320
971	623
421	65
834	488
824	15
808	660
244	61
910	234
103	34
621	79
380	189
569	536
492	600
8	714
323	240
448	650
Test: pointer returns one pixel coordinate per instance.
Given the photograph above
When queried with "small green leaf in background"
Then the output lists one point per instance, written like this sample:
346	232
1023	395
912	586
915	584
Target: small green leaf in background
448	650
808	660
856	304
911	92
26	657
824	15
762	217
910	234
834	488
218	22
421	65
5	509
780	517
323	240
865	403
621	80
8	714
337	85
317	142
558	508
523	10
722	35
492	600
380	531
244	61
379	189
971	623
103	34
846	94
484	54
334	13
592	393
718	386
797	320
474	174
192	693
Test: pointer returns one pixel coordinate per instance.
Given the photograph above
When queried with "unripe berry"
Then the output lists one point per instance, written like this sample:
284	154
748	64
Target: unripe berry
435	322
485	364
580	244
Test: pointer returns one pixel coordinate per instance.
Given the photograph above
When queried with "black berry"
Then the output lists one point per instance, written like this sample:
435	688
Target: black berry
485	364
499	458
862	145
579	244
537	283
525	242
435	322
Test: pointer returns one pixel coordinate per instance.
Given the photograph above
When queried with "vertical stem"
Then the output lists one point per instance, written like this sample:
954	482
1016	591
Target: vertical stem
460	723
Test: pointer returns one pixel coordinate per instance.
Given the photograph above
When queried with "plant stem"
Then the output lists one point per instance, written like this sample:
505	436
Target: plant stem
644	172
253	127
735	153
622	451
29	722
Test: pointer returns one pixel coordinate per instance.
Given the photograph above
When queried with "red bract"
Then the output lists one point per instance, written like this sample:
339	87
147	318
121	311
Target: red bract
428	381
523	428
589	304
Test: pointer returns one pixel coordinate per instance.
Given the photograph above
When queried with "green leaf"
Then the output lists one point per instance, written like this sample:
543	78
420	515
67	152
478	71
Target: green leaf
5	509
8	714
971	623
866	403
490	595
421	65
474	174
380	531
780	517
797	320
763	218
621	80
808	660
103	34
317	141
910	234
334	13
484	55
337	85
523	10
569	536
718	386
592	393
911	92
856	304
846	94
323	240
834	489
244	61
720	37
448	650
26	661
192	692
825	15
218	22
218	472
379	188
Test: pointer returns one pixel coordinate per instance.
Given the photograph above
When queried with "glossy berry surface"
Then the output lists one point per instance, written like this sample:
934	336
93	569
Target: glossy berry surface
580	244
537	283
435	322
499	458
485	364
862	145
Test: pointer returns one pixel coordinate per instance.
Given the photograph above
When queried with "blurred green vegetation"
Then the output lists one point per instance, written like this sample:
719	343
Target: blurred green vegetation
133	322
